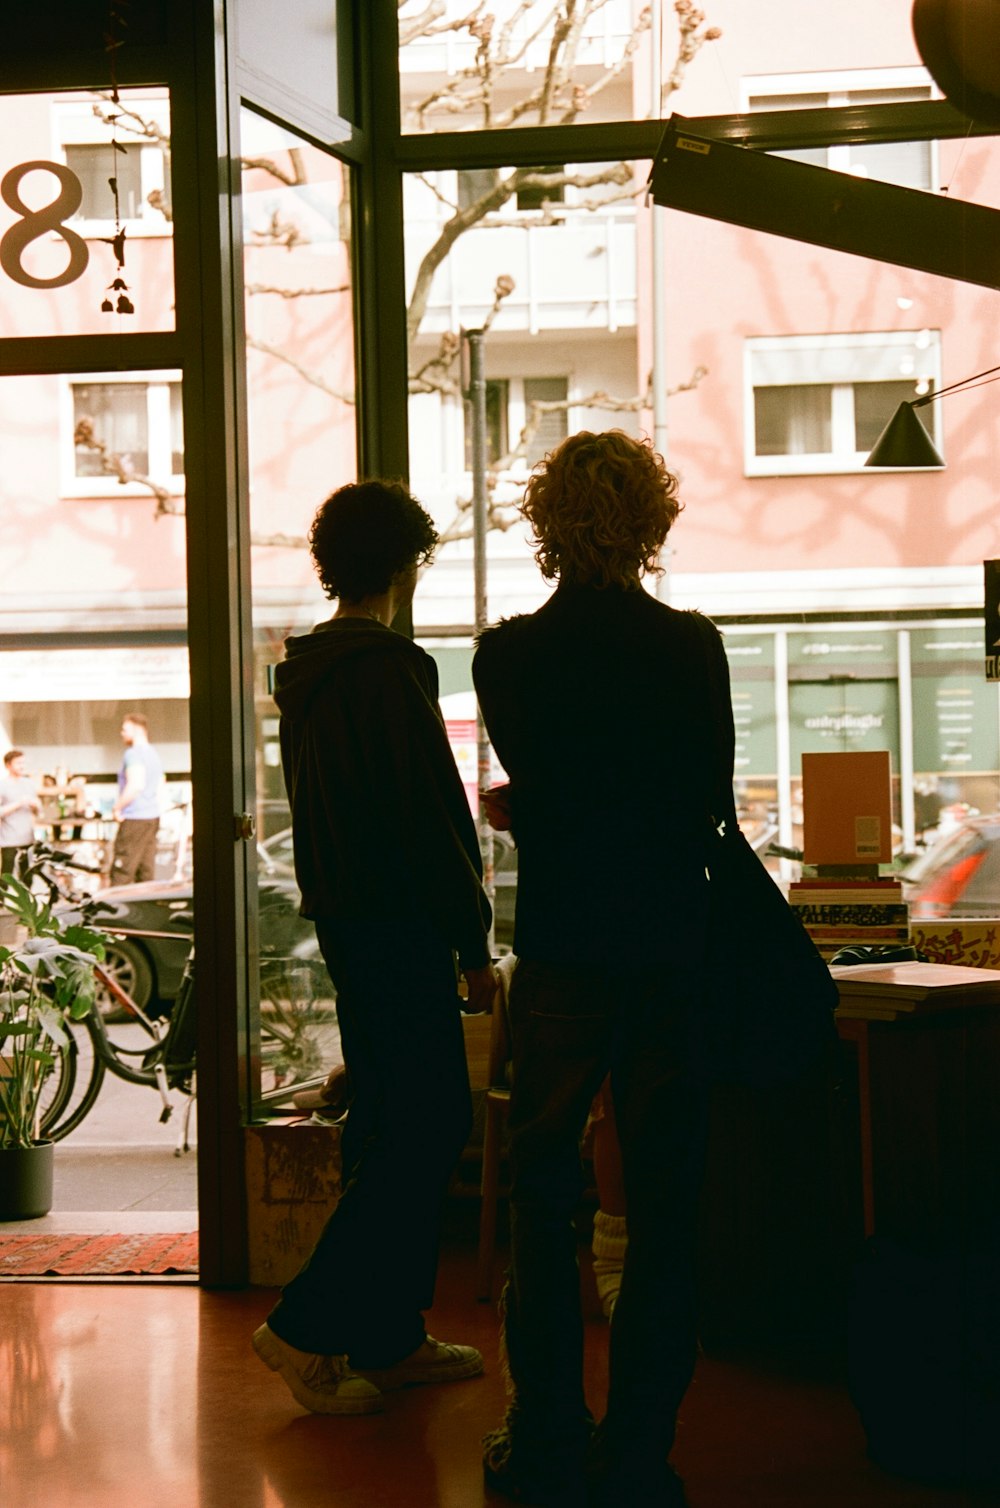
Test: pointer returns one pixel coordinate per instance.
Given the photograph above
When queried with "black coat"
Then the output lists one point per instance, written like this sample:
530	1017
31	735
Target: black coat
597	706
380	819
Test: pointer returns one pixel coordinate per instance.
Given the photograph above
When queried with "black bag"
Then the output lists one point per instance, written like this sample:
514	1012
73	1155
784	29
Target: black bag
769	997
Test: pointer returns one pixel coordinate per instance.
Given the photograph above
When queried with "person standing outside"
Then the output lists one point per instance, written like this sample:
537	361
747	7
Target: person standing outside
598	708
387	861
138	807
19	806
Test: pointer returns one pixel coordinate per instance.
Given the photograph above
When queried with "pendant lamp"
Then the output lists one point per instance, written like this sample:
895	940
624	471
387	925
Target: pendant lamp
905	441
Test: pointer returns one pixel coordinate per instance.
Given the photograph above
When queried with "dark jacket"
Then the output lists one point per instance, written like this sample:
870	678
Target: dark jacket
597	707
380	819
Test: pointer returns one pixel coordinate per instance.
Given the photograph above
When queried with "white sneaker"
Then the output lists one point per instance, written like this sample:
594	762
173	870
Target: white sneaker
433	1361
324	1384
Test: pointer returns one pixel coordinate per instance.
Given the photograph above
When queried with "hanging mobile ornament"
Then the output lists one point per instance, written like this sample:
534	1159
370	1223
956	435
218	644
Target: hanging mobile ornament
122	304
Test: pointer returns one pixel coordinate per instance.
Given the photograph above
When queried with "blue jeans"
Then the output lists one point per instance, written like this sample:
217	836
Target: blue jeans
570	1026
372	1272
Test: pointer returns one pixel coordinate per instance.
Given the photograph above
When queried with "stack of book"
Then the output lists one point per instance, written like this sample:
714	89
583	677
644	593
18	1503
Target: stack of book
841	913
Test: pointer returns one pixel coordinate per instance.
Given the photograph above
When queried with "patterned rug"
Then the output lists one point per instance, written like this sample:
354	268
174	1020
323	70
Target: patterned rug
97	1256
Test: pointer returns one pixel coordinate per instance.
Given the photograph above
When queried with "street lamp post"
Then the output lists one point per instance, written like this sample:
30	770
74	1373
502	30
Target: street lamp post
474	392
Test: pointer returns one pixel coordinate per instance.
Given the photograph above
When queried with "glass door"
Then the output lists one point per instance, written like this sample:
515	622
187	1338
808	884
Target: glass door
301	428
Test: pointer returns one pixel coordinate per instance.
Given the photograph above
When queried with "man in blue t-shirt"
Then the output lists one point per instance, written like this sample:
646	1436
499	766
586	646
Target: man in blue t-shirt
137	809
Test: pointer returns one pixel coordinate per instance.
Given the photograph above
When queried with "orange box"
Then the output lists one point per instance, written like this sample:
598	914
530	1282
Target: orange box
847	808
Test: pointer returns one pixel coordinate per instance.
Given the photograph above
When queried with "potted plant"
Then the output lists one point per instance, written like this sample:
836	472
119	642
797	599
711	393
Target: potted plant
46	975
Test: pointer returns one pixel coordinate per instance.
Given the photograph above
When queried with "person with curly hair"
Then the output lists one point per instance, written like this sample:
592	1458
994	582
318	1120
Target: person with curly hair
387	860
598	708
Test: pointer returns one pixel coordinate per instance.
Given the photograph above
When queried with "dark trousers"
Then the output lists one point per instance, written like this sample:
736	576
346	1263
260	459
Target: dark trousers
570	1026
134	857
372	1272
8	856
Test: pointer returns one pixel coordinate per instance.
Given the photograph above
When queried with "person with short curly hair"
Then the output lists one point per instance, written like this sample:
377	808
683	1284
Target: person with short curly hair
600	508
366	536
598	707
387	860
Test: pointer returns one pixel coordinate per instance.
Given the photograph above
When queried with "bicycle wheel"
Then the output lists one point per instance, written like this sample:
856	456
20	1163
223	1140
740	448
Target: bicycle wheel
298	1032
59	1084
129	967
77	1078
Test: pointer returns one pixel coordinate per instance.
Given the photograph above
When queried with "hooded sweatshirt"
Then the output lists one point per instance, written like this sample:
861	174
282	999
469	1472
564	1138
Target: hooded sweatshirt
381	823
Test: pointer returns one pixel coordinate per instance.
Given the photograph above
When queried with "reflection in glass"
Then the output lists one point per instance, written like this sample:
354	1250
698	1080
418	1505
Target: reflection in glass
300	381
534	64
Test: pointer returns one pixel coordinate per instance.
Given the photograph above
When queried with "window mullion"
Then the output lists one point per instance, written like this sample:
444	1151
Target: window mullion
842	430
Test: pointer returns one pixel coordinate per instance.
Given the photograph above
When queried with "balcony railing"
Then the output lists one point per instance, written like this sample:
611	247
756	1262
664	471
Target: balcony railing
576	274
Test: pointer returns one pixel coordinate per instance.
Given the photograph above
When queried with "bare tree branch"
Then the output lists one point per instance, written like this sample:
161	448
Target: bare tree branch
313	378
119	465
295	292
502	515
267	165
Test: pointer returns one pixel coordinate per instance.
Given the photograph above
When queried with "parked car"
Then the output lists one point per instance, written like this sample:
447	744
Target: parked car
150	968
959	875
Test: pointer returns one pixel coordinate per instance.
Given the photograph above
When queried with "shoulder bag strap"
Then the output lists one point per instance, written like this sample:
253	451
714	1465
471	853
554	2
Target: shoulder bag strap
720	801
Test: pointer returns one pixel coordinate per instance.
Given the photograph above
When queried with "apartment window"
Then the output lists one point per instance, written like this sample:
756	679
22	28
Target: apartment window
126	424
95	165
818	403
497	402
552	425
140	164
531	197
509	403
909	164
474	184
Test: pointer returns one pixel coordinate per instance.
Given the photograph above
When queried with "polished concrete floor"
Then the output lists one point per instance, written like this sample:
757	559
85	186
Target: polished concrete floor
131	1395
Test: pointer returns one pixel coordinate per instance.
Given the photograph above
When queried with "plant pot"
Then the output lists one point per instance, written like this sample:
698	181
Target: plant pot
26	1181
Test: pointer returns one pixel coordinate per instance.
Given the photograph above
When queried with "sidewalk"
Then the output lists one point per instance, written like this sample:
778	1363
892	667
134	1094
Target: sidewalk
107	1190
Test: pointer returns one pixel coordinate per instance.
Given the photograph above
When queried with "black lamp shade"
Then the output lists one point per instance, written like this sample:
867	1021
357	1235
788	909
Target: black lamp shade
904	442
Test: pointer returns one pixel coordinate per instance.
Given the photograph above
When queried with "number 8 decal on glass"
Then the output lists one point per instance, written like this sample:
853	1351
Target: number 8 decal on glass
36	224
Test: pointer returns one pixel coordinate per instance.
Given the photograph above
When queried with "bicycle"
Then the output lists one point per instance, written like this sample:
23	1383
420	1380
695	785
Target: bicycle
165	1060
292	1054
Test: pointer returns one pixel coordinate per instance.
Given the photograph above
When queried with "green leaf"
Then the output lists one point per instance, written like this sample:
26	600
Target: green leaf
19	1029
87	940
51	1023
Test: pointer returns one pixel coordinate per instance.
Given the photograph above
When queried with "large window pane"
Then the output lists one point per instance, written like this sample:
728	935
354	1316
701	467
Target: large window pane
72	262
782	362
300	379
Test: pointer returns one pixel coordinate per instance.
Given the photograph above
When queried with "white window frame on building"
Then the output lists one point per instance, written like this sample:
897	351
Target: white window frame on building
159	436
76	125
836	364
914	164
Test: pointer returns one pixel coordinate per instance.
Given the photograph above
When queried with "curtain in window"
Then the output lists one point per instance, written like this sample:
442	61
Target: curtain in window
793	420
117	413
